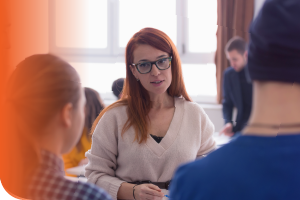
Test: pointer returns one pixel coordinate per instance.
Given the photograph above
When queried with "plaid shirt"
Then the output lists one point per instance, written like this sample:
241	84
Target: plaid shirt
48	183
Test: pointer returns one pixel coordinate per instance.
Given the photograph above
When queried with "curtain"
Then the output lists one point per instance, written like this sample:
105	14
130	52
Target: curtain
234	18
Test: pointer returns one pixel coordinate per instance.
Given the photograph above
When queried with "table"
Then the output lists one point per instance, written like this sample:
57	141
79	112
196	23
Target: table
78	171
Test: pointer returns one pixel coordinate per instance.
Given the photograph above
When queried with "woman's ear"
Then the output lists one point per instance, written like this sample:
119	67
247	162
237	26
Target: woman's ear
66	115
133	70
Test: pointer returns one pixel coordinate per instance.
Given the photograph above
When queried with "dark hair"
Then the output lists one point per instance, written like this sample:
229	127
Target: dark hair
117	87
94	105
40	86
236	43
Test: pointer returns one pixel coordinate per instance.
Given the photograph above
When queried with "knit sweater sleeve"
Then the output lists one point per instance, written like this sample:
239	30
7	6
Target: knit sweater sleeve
103	155
208	144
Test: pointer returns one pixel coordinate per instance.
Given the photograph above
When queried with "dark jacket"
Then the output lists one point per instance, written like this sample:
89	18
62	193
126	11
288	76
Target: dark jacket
233	97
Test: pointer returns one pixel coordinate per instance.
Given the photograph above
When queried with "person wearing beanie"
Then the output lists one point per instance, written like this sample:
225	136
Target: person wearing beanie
117	87
263	162
237	91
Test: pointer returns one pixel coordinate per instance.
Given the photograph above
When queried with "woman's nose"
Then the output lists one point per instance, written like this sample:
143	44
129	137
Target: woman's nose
155	71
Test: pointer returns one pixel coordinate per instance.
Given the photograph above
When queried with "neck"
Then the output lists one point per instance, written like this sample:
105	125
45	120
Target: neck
162	101
274	103
51	141
240	69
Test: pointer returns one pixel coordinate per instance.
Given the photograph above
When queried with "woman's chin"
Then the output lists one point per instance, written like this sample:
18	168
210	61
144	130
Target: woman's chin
158	92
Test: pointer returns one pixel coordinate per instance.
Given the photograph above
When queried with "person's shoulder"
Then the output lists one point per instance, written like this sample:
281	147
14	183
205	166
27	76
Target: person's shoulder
112	119
227	156
208	166
119	108
191	178
191	106
90	191
41	186
219	169
181	101
228	71
116	112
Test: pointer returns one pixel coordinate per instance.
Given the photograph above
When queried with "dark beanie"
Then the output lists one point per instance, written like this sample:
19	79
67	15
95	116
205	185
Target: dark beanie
274	48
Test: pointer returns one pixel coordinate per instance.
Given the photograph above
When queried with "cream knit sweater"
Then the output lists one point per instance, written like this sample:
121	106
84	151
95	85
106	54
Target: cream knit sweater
114	159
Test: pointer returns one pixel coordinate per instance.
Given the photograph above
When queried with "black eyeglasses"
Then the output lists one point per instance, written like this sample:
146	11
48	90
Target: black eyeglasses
146	67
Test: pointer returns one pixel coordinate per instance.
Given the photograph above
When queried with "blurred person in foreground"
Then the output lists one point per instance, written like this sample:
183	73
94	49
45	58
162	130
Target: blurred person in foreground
237	90
141	139
117	87
44	118
262	163
94	105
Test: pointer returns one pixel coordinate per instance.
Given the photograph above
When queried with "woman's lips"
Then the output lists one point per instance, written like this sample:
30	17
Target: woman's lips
157	83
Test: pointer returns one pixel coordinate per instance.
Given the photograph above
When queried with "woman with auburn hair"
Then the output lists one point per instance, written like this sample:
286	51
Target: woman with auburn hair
140	140
44	111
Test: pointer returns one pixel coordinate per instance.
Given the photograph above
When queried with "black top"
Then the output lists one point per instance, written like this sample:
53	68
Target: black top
246	89
237	92
156	138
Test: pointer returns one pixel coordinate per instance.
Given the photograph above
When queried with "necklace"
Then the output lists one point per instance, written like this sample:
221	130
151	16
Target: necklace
274	126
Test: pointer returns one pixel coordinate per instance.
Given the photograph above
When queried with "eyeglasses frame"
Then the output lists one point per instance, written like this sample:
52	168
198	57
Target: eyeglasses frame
136	65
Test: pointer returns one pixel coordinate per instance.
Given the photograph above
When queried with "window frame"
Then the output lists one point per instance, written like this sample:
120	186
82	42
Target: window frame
113	53
80	52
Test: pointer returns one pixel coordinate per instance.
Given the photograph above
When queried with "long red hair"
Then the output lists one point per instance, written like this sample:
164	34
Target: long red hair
134	95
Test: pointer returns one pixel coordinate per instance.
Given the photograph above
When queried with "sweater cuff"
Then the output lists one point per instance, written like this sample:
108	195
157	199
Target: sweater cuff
114	188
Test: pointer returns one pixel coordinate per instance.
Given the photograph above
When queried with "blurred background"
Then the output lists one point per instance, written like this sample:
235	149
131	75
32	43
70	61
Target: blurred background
92	36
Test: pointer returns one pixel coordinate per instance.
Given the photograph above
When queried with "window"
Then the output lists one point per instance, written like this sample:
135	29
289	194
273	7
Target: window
202	26
92	36
160	14
81	24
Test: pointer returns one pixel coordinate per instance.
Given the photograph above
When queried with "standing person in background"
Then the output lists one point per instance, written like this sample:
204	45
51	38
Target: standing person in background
117	87
237	90
93	107
263	163
44	118
140	140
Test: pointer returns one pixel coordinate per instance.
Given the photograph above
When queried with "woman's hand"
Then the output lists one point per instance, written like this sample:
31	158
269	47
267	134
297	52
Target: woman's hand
84	161
148	192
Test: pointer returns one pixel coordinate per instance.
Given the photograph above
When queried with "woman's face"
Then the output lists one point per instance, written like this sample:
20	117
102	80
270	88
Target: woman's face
157	81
